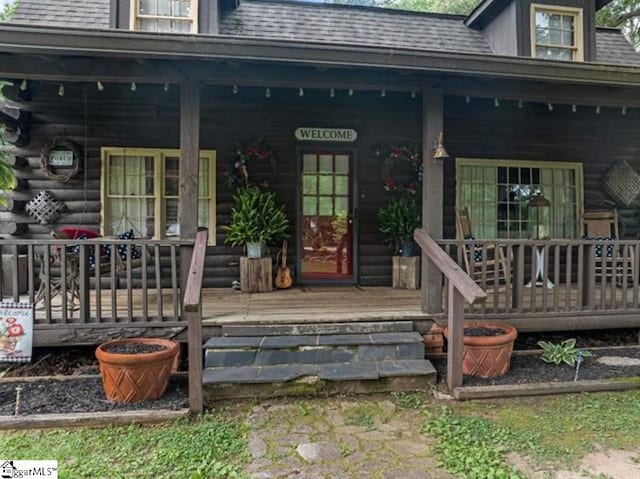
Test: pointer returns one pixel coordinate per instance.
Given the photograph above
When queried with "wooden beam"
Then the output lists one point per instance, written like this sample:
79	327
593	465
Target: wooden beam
455	337
189	169
540	92
432	196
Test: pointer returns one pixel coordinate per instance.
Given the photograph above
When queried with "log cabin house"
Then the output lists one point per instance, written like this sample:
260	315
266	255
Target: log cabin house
139	106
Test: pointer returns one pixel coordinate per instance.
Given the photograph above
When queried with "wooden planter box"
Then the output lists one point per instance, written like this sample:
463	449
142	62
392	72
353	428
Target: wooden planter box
6	281
406	272
256	275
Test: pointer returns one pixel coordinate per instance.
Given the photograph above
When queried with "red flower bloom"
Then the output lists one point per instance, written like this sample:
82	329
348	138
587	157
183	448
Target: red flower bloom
388	181
15	330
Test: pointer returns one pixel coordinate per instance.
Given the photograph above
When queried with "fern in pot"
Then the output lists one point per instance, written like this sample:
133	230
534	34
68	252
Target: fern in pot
256	220
398	220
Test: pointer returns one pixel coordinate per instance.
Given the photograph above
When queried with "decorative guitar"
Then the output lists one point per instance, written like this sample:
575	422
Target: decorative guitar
283	275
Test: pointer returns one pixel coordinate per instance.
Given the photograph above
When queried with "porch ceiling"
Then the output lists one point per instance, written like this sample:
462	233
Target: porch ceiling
17	41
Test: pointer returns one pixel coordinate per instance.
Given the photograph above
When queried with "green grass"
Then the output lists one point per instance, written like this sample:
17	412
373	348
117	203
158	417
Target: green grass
473	437
208	447
360	416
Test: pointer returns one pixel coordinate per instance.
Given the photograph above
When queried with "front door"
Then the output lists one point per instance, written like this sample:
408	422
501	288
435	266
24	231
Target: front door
326	217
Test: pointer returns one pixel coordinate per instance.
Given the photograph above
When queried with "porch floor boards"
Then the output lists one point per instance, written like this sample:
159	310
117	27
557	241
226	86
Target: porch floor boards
312	304
317	304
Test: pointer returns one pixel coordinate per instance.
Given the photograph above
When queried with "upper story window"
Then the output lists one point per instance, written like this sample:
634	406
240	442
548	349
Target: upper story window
174	16
556	33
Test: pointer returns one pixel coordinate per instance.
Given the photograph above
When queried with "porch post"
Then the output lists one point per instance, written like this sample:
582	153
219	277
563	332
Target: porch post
189	165
432	196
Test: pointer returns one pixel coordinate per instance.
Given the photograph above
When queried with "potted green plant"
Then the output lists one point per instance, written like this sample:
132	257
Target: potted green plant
137	369
256	220
398	220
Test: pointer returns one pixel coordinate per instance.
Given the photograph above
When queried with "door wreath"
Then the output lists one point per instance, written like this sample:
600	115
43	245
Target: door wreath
248	156
400	154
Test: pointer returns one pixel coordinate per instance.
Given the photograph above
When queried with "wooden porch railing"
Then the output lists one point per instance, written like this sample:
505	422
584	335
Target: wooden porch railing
133	283
594	283
193	313
460	288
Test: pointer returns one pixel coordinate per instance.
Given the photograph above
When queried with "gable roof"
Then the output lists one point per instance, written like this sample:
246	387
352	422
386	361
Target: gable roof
322	23
63	13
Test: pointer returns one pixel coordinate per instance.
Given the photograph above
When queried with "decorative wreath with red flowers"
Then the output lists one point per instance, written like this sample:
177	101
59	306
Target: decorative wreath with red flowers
400	154
250	155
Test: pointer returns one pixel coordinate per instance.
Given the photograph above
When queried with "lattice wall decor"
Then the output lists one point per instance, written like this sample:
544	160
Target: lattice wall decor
622	183
45	207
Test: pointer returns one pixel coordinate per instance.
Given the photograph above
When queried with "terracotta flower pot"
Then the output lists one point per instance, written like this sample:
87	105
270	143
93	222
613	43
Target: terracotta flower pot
137	377
487	356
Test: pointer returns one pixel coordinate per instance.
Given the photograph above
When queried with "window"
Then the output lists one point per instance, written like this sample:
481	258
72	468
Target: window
497	192
140	189
175	16
556	33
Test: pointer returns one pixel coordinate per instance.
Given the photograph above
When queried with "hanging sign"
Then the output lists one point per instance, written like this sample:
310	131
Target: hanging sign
338	135
61	158
16	332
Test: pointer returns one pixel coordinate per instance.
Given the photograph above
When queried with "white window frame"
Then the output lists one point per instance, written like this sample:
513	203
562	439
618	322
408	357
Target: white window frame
159	155
134	17
577	167
577	13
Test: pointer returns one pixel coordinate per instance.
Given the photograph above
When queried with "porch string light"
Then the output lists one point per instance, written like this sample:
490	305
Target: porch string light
134	87
300	92
267	92
166	87
24	85
235	89
61	90
332	93
100	86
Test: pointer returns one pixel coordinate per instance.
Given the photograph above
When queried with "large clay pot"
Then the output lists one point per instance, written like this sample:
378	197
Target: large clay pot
487	356
137	377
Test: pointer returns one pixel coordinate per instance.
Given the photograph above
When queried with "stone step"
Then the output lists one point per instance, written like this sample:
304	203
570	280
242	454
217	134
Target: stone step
313	354
298	341
314	329
364	370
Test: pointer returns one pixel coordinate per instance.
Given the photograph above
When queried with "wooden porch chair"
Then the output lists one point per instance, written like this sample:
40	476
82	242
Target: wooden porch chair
481	265
603	226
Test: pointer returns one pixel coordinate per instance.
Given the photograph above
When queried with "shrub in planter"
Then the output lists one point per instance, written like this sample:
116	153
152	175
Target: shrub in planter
487	348
137	369
256	220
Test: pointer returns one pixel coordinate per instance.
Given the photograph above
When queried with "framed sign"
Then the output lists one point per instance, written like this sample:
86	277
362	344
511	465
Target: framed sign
61	159
16	332
333	135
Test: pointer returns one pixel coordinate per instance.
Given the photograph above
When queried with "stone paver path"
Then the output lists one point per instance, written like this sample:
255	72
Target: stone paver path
336	439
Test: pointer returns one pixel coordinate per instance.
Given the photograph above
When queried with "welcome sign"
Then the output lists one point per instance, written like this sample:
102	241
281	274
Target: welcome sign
16	332
337	135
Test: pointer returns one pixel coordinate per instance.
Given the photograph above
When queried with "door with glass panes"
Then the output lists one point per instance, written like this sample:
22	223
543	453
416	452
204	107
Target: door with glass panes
326	226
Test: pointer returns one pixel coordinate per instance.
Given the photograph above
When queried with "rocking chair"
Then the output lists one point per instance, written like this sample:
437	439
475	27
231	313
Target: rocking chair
602	227
485	264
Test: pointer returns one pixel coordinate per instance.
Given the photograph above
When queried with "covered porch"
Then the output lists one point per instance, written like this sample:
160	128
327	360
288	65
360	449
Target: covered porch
489	109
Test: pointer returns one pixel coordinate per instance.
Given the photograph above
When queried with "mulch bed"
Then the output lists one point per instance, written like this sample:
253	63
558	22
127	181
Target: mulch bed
528	369
80	395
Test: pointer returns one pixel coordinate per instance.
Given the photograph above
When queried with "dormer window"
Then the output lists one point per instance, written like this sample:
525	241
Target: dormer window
556	33
173	16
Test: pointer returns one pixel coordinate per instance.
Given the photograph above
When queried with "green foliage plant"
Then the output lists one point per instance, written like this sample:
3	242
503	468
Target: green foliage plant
564	352
470	447
398	220
7	177
256	218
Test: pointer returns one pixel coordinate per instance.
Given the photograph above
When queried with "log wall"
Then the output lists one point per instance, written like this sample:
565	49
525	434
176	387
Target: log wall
149	117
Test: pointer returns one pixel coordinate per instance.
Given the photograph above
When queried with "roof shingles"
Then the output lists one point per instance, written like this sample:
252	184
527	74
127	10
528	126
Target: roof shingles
322	23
